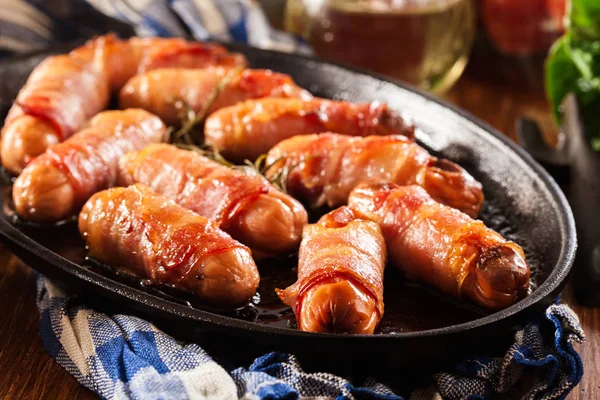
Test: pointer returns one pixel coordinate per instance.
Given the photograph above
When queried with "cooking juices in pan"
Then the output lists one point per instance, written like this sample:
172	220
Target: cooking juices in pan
408	307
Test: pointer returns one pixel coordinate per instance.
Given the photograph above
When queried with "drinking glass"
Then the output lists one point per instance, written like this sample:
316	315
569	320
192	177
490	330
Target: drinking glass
423	42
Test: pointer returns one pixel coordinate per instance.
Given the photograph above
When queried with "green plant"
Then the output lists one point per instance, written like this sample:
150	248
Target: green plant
573	66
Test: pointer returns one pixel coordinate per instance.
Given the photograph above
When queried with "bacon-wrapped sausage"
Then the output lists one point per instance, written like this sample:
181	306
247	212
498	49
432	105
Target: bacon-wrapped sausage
340	275
64	91
323	169
56	184
443	247
162	90
126	58
144	234
249	129
246	206
61	94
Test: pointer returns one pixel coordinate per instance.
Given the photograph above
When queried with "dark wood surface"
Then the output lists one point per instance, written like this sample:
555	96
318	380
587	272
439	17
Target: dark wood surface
27	372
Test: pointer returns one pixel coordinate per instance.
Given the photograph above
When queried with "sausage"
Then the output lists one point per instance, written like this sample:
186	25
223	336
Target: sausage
323	169
442	247
64	91
123	59
141	233
340	275
56	184
249	129
244	205
61	94
164	91
179	53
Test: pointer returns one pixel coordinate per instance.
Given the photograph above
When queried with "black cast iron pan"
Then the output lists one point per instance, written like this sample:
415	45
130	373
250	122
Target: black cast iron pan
419	327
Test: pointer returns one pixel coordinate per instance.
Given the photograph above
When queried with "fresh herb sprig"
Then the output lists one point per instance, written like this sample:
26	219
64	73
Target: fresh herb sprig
261	167
194	119
184	139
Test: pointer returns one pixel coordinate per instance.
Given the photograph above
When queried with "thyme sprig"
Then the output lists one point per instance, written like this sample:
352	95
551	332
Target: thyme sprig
260	167
193	119
184	139
280	177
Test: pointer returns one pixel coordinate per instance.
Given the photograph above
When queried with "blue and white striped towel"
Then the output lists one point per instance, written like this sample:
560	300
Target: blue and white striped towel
27	25
125	357
122	356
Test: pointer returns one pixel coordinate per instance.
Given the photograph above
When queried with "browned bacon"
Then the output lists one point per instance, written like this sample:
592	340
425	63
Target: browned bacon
56	184
323	169
244	204
249	129
169	92
340	275
443	247
64	91
146	235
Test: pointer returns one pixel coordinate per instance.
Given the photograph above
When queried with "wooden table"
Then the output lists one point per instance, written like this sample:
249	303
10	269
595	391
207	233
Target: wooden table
29	373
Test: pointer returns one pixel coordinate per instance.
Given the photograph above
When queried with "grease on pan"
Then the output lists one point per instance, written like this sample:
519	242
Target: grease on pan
408	307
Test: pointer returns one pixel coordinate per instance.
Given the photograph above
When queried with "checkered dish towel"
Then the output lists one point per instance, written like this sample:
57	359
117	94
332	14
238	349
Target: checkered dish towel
122	356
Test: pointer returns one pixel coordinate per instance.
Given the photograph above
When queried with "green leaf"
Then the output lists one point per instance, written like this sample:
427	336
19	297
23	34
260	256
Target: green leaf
584	19
573	66
562	74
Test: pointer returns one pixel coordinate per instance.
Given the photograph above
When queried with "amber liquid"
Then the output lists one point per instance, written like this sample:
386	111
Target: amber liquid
423	42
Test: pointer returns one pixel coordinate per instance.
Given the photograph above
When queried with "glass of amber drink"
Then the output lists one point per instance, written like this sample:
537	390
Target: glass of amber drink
423	42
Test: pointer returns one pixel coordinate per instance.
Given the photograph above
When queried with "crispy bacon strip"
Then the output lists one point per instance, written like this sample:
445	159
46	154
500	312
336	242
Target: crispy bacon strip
64	91
57	183
442	247
249	129
323	169
144	234
340	275
243	204
61	94
123	59
169	91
